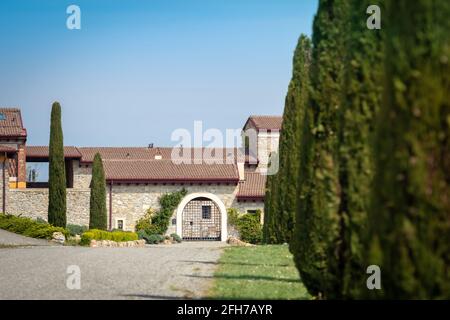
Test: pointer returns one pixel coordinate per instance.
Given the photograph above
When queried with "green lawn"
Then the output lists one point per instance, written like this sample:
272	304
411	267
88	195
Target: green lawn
260	272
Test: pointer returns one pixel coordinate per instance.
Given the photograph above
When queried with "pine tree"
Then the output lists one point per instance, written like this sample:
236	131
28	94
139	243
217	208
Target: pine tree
97	213
410	216
57	172
296	99
318	219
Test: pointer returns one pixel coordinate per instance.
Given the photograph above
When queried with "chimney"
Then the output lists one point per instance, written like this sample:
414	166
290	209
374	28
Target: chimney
158	155
240	167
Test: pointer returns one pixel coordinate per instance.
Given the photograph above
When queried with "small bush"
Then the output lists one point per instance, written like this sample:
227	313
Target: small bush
154	238
176	237
145	222
75	229
118	236
233	216
29	227
40	220
141	234
250	228
248	225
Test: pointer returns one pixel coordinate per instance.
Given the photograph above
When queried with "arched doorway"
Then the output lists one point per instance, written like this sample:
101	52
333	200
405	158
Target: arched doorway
202	216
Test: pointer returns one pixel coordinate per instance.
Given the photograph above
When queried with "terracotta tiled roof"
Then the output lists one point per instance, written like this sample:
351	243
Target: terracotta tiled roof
253	187
11	123
167	171
7	149
142	153
265	122
42	152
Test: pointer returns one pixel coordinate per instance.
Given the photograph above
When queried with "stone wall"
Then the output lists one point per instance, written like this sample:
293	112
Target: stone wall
82	175
267	143
130	202
243	206
33	203
3	166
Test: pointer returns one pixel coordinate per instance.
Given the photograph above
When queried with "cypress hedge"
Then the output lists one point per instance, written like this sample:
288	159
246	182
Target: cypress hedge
319	221
289	147
362	94
57	171
97	206
270	231
410	213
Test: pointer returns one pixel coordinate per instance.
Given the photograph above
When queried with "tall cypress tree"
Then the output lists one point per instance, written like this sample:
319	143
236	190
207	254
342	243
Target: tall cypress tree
57	171
296	100
362	92
270	231
410	217
97	213
318	218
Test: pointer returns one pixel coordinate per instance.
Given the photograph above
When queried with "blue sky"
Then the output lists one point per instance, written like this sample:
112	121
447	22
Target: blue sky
137	70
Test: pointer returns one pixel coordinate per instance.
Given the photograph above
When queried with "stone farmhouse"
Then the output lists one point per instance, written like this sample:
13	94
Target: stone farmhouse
137	176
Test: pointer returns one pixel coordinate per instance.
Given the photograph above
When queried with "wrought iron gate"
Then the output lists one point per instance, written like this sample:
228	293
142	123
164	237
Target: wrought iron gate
201	220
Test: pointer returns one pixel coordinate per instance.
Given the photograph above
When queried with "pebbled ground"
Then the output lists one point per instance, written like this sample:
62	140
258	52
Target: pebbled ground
177	271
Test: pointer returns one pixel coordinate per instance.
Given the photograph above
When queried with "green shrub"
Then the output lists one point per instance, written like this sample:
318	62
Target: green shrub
154	238
176	237
75	229
248	225
145	222
250	229
233	216
141	234
40	220
29	227
118	236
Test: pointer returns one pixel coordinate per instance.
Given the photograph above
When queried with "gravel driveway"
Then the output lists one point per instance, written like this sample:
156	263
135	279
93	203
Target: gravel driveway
11	239
154	272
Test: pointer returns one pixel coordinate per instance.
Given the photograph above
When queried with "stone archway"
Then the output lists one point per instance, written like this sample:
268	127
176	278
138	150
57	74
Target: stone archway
207	229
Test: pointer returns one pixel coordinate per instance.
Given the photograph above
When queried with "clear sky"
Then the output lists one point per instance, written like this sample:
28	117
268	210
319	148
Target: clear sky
138	70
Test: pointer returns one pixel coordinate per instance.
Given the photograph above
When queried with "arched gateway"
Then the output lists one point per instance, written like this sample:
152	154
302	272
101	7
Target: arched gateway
202	216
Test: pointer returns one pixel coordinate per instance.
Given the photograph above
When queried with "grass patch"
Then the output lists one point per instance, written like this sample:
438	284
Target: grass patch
260	272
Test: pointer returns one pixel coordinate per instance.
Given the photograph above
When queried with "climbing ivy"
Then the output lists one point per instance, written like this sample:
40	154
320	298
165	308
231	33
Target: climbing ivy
157	222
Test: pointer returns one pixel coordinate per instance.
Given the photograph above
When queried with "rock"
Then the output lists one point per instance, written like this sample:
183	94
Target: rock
58	237
114	244
236	242
167	241
140	243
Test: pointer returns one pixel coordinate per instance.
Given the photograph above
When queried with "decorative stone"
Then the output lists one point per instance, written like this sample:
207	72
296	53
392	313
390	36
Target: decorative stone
58	237
113	244
236	242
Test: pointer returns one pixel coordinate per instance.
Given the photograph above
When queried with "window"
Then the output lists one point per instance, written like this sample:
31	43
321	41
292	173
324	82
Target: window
174	222
206	212
120	224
